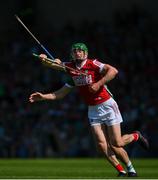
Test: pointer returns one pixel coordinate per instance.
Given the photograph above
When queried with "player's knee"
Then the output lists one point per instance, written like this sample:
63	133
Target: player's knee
117	143
102	146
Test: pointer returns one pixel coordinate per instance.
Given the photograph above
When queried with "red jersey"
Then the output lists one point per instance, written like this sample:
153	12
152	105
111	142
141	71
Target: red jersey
92	68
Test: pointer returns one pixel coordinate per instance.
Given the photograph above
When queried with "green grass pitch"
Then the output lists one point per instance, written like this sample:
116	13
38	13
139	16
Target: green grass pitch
71	169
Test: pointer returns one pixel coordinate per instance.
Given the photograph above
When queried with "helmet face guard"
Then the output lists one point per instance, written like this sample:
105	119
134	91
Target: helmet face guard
79	46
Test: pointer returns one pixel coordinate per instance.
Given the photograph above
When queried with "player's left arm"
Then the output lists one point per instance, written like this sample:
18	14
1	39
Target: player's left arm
109	72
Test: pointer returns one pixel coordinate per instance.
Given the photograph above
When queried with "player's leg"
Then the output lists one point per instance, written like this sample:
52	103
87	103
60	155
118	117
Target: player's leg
116	139
104	147
123	156
113	119
114	129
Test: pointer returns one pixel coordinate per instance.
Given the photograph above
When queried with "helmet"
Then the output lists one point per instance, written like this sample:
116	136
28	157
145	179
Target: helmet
80	46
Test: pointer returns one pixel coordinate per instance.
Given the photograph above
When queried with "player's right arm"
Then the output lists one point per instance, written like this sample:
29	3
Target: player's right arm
56	65
59	94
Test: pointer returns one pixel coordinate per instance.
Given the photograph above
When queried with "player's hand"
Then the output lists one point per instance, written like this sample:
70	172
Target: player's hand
93	88
37	96
42	56
58	61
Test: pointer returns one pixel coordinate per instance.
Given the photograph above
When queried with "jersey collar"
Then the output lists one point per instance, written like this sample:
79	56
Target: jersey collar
81	65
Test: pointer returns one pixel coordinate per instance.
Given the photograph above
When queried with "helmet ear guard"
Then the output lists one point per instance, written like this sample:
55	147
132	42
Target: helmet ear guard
80	46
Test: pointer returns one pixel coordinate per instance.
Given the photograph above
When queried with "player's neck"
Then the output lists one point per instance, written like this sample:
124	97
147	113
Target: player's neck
80	63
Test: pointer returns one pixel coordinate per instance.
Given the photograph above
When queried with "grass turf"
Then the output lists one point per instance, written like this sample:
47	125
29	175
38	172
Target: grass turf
71	169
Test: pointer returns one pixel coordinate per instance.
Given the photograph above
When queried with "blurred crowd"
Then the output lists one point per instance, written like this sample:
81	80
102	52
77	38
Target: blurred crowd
60	128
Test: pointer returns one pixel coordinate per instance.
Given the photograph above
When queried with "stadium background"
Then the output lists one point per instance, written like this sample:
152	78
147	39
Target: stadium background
121	33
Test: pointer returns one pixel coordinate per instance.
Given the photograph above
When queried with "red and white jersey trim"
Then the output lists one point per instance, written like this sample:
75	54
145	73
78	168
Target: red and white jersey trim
99	64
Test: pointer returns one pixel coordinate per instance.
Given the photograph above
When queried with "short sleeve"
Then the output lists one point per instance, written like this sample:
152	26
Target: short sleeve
99	64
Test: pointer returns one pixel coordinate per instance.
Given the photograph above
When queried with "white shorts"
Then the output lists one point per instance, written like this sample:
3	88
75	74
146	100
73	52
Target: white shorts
105	113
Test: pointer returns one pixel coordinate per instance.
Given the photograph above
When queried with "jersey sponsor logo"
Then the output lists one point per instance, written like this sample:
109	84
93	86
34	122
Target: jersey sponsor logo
82	80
